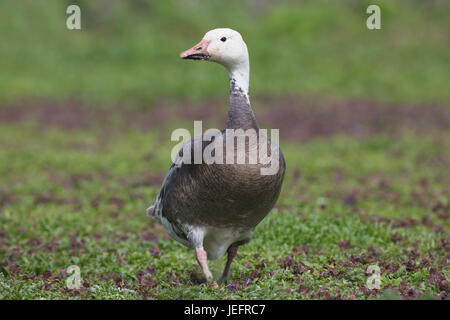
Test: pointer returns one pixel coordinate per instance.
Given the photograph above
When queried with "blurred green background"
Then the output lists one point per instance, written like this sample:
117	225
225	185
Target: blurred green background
127	51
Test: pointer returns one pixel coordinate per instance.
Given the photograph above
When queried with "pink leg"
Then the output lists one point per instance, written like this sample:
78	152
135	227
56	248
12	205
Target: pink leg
202	261
232	251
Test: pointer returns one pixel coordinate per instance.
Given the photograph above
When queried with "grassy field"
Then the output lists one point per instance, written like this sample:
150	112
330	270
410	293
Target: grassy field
78	196
364	118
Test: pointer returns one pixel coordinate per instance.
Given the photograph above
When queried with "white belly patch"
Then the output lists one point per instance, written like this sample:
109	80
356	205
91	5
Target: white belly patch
217	240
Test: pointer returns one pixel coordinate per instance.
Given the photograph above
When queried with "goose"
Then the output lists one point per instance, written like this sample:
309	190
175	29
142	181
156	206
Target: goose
213	208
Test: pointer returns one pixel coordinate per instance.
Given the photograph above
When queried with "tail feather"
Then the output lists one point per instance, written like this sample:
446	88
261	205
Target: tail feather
151	211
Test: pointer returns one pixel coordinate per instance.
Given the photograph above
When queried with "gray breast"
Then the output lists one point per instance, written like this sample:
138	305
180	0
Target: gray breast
228	196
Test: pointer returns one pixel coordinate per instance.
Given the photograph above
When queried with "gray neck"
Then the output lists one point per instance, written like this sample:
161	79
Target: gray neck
240	113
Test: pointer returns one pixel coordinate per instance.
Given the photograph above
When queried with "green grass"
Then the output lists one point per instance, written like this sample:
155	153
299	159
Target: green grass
78	196
129	52
88	191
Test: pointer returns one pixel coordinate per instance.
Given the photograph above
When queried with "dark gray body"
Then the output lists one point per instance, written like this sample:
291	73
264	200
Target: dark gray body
219	196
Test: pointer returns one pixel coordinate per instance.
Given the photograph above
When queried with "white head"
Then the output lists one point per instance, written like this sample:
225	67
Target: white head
224	46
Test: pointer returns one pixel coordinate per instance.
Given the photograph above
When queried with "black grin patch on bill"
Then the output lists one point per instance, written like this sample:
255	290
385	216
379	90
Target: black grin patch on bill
198	56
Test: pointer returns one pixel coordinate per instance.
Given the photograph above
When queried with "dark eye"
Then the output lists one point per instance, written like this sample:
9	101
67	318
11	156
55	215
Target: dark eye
223	39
